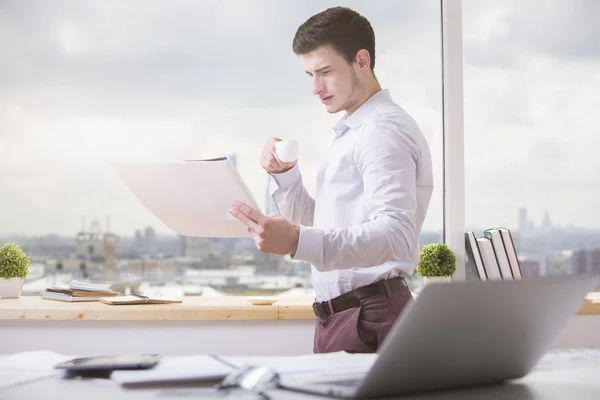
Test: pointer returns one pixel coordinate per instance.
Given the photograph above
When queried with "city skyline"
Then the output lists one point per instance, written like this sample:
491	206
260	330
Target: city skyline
544	224
85	86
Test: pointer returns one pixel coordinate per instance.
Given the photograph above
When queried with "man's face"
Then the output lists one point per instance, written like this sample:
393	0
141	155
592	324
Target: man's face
334	80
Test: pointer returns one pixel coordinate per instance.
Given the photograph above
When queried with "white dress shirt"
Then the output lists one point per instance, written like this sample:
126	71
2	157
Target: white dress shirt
373	191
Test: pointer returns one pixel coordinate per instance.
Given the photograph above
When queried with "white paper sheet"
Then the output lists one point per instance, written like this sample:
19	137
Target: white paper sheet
190	197
29	366
198	368
570	358
320	364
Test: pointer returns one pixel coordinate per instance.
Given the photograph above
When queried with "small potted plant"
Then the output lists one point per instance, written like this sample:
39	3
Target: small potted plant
14	265
437	263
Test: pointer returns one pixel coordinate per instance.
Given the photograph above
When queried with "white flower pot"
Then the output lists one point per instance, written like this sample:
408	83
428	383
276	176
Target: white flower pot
436	279
10	288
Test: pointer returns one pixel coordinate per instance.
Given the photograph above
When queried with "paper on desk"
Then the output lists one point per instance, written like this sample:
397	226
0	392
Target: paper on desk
593	297
191	197
188	369
28	366
328	363
570	358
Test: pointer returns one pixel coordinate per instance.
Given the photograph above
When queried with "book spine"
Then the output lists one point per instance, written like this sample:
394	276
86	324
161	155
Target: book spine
474	256
499	253
489	259
511	251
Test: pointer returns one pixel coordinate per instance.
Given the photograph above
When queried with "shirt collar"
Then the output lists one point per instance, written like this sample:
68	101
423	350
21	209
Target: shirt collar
362	113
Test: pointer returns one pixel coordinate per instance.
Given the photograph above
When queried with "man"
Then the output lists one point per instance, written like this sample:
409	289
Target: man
373	189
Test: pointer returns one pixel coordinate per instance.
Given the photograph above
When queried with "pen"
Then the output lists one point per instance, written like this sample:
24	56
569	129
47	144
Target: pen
141	296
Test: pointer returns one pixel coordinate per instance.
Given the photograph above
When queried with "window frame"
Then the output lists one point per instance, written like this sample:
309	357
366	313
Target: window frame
453	181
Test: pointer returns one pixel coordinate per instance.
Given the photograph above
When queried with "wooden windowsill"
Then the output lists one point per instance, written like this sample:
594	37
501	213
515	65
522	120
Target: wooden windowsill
192	309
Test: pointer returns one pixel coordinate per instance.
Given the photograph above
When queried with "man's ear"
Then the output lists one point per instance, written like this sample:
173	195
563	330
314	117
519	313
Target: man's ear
363	60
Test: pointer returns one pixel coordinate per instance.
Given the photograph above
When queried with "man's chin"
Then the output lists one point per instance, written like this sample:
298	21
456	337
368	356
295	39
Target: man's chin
332	109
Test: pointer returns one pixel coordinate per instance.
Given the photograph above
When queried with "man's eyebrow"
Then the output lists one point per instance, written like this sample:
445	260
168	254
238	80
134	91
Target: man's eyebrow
319	69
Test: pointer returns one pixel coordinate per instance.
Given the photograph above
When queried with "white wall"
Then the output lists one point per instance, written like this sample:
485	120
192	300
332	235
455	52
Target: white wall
164	337
239	338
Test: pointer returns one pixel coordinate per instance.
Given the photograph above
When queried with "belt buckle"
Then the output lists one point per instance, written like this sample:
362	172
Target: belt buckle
317	309
321	310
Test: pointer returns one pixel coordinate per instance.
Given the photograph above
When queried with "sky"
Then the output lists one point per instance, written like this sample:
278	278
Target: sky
87	83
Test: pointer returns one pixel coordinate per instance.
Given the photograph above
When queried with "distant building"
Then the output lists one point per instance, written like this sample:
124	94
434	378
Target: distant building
93	242
195	247
595	259
145	242
138	239
586	262
529	268
96	246
580	262
152	269
266	262
546	223
523	221
150	241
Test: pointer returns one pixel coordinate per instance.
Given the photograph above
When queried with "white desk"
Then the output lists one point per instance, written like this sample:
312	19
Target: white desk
572	382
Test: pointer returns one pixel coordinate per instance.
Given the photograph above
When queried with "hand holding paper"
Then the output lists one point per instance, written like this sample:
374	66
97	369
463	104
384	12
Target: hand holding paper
271	233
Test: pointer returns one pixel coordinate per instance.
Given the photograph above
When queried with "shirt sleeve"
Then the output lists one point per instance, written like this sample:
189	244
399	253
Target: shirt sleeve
291	197
387	159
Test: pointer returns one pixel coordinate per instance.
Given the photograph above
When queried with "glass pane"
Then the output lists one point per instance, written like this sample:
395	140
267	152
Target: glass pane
87	83
531	129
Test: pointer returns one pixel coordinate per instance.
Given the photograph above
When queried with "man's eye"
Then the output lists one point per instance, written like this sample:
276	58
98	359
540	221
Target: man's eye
325	72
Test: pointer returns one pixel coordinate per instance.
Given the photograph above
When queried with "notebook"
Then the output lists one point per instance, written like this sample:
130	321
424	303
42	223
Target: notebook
79	291
139	299
67	297
82	293
90	287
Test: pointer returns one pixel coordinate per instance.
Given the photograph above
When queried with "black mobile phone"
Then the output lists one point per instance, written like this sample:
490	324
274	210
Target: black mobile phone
110	363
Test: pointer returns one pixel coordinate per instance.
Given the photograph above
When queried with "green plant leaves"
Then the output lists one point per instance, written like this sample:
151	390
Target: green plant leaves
14	263
436	260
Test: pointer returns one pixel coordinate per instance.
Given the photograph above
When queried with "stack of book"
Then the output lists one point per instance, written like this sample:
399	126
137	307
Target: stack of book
493	256
79	291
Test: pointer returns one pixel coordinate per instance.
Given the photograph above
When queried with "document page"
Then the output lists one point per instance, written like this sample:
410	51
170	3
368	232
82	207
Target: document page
187	369
338	363
28	366
191	197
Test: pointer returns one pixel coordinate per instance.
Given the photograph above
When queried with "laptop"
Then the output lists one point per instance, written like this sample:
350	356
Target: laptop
464	334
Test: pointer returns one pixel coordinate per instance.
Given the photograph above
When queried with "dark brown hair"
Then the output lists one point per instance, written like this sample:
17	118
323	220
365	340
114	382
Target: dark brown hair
342	28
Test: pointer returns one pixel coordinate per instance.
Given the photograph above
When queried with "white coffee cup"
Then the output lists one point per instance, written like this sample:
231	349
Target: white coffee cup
287	150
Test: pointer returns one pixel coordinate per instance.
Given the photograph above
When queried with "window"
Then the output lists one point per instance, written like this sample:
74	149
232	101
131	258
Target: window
86	83
531	99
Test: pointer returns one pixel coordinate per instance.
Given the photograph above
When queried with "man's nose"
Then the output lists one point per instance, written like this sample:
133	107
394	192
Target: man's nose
317	86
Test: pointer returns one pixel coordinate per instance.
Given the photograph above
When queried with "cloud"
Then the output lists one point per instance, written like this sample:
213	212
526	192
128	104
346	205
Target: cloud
508	34
529	135
85	83
569	30
114	58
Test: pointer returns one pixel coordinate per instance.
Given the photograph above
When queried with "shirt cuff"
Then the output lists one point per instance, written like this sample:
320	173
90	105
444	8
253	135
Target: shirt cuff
310	246
284	179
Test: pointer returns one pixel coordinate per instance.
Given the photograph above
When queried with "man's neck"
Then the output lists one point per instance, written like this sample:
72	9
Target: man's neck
370	89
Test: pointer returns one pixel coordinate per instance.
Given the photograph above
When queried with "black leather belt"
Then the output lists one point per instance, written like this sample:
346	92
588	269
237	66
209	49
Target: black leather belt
352	298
